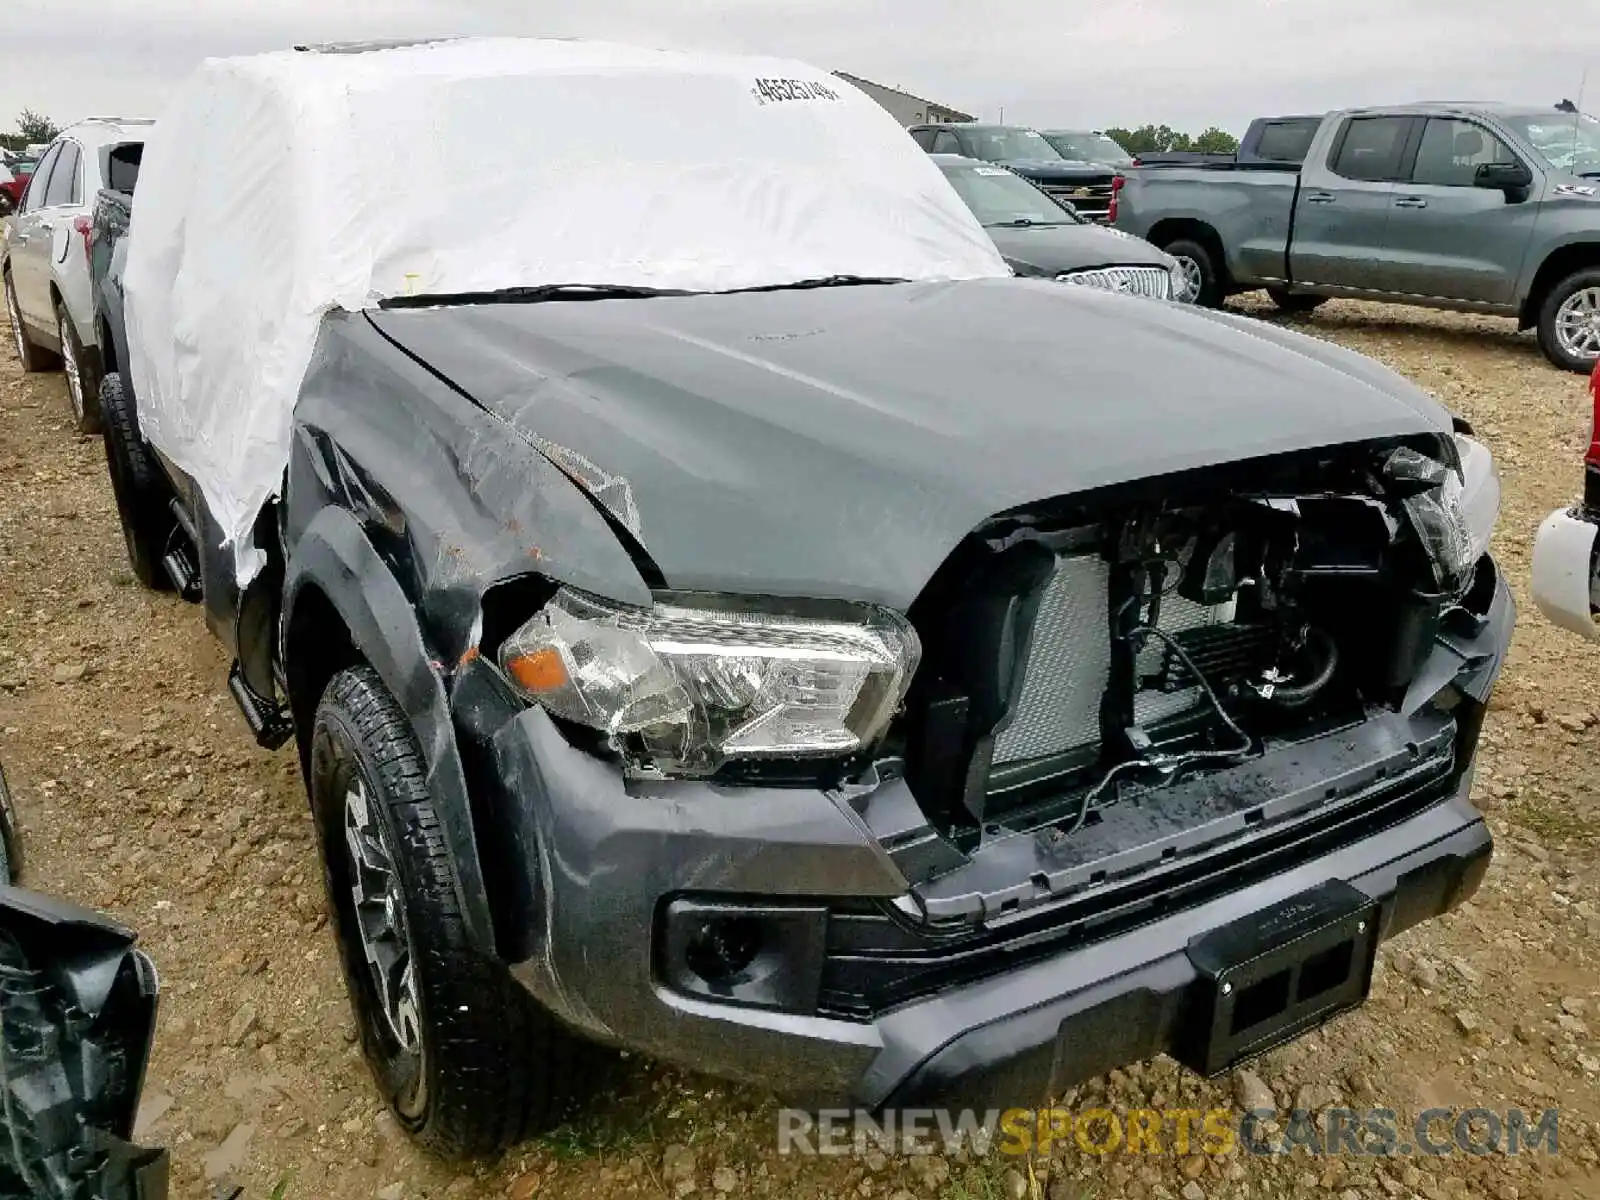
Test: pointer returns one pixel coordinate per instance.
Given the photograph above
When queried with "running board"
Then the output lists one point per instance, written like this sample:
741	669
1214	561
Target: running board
269	721
181	570
179	562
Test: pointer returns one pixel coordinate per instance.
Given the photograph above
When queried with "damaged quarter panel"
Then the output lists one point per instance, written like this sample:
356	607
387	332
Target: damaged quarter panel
840	442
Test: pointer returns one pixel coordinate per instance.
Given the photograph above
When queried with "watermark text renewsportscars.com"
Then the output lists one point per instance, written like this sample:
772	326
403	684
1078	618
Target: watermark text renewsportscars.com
1169	1131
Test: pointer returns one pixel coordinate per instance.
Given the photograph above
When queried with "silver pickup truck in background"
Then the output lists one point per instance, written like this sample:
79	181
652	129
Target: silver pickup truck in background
1477	207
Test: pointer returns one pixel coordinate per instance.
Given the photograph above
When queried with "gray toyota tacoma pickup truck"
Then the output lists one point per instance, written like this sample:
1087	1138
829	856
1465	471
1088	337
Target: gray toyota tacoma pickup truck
896	692
1476	207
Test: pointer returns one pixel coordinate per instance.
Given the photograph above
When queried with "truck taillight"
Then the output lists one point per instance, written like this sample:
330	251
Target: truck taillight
83	227
1116	191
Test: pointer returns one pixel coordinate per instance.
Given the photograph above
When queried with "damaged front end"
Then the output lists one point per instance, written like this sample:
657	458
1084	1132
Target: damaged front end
1134	701
1082	652
1110	727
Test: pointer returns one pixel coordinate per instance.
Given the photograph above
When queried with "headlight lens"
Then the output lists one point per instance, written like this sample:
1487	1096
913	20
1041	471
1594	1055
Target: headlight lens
1430	494
688	687
1480	492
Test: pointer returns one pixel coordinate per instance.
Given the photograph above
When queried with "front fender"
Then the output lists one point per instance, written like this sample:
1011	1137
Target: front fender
334	556
1567	228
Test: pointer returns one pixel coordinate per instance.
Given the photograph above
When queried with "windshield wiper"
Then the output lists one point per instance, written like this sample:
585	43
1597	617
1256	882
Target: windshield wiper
1024	223
826	281
533	295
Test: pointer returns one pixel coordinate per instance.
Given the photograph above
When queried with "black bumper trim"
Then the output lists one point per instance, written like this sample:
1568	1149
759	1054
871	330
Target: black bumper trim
1135	1010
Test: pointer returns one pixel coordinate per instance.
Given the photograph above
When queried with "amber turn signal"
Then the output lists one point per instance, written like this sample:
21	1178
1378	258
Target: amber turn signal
541	671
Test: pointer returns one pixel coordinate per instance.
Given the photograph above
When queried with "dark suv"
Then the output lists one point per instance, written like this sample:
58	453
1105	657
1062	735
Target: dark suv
1085	184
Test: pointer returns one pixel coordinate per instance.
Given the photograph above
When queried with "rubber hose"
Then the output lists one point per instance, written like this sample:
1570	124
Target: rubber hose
1297	695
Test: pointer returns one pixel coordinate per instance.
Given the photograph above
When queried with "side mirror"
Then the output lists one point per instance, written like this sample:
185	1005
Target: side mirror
1505	177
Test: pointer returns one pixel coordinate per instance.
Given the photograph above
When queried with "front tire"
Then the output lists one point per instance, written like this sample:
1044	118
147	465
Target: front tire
82	387
137	485
34	358
1294	303
1569	322
464	1057
1202	282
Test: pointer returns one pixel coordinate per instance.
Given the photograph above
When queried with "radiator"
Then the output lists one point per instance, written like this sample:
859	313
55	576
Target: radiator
1069	664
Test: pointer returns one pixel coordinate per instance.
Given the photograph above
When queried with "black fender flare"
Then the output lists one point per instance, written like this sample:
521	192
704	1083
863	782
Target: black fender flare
335	556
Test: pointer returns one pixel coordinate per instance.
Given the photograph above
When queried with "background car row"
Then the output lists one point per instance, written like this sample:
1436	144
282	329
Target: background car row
46	260
1477	207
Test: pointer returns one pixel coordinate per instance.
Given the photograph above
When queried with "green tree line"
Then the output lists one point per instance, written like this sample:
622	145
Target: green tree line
1162	139
31	127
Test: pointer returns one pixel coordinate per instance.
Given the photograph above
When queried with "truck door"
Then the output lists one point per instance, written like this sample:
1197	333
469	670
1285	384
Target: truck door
1448	238
1343	206
28	240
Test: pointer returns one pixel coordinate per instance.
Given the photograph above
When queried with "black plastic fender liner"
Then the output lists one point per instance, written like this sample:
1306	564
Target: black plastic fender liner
335	556
1469	658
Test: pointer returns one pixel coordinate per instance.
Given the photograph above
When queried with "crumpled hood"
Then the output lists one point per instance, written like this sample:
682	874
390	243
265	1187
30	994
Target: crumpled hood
841	442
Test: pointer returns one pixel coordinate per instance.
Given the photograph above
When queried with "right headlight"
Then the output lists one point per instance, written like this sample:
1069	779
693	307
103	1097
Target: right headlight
1452	513
690	684
1480	492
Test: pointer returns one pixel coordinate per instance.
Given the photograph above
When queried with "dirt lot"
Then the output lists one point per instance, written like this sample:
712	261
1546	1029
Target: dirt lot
142	794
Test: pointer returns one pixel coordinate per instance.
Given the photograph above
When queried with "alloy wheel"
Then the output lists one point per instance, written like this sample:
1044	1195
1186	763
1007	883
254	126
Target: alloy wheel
1578	323
69	365
1189	290
16	320
380	923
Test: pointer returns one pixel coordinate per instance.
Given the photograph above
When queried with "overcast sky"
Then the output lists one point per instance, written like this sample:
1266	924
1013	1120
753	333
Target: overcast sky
1186	63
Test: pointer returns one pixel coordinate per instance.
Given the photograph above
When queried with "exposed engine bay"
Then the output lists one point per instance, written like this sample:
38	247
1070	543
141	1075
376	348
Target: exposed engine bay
1079	653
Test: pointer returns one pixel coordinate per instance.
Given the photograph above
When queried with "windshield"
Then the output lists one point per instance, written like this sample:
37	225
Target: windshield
1568	142
1088	147
1007	145
997	197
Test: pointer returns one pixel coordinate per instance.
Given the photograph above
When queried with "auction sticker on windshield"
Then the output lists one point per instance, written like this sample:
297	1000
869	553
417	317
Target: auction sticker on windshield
791	89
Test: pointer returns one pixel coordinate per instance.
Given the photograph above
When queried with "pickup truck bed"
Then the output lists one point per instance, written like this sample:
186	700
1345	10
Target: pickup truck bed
1441	206
1269	142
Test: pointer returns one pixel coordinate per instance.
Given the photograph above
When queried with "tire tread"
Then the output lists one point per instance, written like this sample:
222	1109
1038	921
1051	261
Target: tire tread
137	485
501	1068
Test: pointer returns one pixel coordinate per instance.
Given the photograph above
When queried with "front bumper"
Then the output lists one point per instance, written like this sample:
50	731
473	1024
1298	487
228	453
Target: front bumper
1018	1038
1563	571
603	858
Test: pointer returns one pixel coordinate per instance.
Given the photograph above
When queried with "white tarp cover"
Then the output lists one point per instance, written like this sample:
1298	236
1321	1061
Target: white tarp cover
280	186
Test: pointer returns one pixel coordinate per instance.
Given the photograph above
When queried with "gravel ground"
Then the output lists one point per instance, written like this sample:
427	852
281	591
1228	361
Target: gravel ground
141	794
